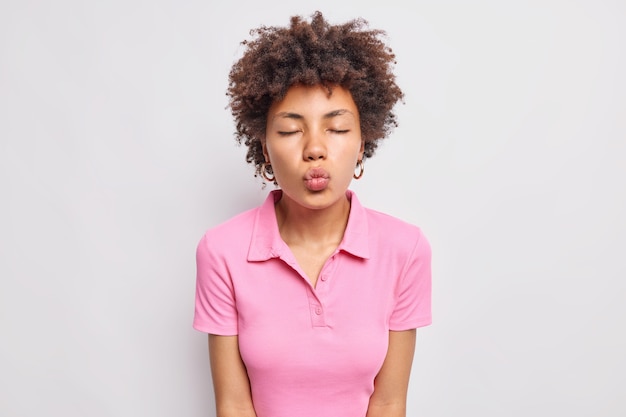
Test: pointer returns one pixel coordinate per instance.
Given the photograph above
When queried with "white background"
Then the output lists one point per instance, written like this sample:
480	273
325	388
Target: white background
117	153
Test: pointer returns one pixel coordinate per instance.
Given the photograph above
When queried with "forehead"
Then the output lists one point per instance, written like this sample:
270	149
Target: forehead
314	101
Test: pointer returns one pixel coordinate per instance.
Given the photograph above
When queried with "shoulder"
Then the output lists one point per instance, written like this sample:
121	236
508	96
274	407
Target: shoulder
400	236
392	227
382	227
230	235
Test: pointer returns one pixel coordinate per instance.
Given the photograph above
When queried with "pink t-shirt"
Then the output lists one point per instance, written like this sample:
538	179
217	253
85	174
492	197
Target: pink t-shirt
312	351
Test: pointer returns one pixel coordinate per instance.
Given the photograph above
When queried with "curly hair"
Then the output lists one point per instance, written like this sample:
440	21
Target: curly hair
349	55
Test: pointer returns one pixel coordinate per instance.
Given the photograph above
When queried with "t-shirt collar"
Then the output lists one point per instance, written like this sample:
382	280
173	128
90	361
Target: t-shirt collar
266	242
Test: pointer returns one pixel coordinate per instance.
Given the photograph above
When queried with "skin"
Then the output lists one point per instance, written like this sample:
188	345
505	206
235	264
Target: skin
308	130
230	379
311	130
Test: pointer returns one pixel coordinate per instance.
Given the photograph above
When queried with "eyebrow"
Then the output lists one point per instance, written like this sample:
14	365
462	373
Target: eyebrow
329	115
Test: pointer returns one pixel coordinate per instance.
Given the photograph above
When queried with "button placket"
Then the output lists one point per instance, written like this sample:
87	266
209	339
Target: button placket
316	308
327	271
318	318
319	296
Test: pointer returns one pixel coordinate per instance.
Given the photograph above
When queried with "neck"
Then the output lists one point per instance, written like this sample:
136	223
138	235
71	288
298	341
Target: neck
299	224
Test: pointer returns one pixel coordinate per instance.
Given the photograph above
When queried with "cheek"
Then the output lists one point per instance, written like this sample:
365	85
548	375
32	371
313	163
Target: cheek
271	154
282	163
357	151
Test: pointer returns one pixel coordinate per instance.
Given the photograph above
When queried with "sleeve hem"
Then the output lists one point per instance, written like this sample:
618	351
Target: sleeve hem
217	330
409	325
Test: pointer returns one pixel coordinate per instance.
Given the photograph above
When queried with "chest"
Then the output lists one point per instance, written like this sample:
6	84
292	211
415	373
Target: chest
348	292
289	328
311	261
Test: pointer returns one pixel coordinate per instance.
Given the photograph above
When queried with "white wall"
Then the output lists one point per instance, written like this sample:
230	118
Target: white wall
117	152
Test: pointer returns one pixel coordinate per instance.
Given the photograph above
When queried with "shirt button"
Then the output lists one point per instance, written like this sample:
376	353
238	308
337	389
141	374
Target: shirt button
323	278
318	310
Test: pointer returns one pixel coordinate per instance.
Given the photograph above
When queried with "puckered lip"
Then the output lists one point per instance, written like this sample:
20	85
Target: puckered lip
316	172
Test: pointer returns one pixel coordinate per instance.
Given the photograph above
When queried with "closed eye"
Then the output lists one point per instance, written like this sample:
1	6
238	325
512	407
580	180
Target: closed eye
287	133
339	131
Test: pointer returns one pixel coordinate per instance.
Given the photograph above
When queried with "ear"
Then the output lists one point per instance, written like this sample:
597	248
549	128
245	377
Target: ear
266	155
362	150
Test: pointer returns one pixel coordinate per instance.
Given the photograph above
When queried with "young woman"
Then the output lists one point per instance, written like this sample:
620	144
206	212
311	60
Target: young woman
311	301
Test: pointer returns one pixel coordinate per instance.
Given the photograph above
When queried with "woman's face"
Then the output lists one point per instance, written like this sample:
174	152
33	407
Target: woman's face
313	142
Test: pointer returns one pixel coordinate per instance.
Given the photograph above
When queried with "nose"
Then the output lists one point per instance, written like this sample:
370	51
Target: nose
315	148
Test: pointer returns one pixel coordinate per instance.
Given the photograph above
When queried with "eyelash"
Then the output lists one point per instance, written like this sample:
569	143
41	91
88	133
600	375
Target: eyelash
340	132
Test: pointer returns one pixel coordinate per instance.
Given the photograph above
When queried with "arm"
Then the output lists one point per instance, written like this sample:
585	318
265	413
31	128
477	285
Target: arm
230	378
392	382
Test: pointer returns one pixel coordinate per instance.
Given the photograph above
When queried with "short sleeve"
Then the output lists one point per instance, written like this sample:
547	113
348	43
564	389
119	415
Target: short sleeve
215	309
413	295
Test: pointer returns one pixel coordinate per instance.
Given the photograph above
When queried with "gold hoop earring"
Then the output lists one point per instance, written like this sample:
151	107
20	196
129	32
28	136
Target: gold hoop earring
359	165
264	173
